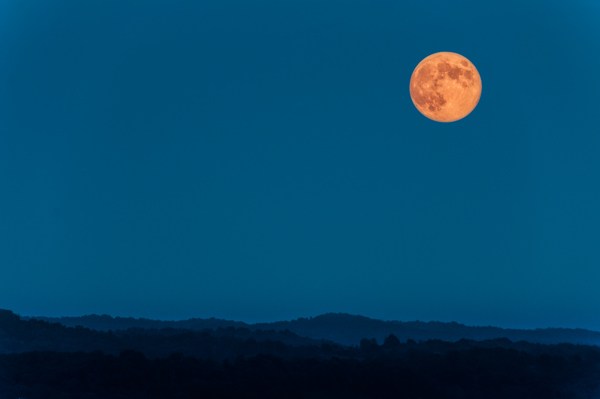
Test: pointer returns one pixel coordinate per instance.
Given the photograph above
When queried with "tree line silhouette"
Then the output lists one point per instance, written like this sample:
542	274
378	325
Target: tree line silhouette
45	360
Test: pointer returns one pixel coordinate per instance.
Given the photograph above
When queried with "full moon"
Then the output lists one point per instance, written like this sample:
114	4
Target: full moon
445	87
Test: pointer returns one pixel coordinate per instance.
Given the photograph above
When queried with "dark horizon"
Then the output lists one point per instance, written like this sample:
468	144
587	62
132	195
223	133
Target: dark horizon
339	328
254	322
41	360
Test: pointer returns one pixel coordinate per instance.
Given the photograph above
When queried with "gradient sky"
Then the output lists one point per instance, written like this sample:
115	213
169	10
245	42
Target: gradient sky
262	160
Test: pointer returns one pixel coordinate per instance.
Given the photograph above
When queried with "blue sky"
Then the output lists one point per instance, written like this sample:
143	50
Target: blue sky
263	160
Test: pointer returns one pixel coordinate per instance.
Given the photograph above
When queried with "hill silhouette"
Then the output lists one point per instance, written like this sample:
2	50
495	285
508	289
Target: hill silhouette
346	329
41	359
19	335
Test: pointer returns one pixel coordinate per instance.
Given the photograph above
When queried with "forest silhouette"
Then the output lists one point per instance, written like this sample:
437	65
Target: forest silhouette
39	359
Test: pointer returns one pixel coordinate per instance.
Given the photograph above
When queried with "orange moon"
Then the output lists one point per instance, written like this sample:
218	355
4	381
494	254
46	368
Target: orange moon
445	87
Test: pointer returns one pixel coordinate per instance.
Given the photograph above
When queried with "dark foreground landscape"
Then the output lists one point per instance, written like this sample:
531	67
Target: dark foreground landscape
43	359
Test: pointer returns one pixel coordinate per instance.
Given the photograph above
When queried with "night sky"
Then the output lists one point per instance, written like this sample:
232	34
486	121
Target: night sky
262	160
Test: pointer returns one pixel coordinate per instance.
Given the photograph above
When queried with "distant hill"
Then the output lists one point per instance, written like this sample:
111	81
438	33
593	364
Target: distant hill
19	335
40	359
347	329
46	360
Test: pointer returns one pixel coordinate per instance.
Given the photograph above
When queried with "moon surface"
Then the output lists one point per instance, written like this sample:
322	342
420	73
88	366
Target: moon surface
445	87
